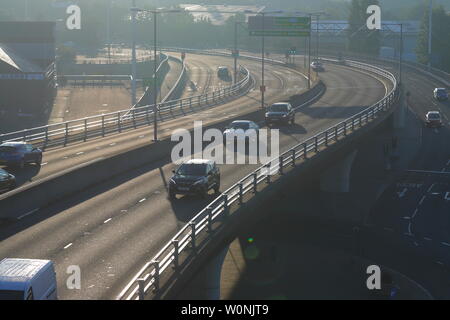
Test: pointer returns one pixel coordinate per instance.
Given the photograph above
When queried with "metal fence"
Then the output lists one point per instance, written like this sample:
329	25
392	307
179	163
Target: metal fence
196	234
61	134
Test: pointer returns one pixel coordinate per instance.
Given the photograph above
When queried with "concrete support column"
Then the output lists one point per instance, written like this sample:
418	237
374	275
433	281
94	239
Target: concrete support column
206	284
400	112
337	177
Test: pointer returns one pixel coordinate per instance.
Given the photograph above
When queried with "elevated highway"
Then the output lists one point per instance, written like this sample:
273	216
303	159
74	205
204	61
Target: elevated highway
111	229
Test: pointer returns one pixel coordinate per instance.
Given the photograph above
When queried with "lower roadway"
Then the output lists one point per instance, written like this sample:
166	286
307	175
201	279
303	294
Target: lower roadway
112	229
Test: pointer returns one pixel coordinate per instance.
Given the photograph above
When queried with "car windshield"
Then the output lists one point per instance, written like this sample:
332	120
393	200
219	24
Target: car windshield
192	169
11	295
240	125
3	173
441	91
278	108
434	116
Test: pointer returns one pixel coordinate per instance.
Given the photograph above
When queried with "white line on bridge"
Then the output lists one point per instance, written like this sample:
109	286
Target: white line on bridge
28	213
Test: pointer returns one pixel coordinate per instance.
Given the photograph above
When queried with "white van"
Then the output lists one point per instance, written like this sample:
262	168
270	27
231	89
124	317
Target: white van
27	279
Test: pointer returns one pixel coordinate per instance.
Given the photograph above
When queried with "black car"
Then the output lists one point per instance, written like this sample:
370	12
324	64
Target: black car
196	176
281	112
7	181
19	153
223	73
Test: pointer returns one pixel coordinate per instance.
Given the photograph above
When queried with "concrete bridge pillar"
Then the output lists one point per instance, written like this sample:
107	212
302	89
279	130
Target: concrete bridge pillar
337	177
400	112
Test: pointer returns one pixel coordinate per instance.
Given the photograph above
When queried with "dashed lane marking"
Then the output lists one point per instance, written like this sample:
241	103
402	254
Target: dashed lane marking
68	246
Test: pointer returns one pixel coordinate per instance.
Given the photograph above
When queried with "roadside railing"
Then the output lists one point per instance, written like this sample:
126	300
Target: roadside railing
157	274
61	134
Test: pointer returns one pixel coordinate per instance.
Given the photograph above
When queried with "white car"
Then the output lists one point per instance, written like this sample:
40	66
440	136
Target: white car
241	130
433	119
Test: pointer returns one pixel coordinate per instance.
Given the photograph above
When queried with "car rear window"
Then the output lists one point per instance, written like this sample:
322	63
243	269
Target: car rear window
192	169
8	149
434	116
240	125
279	108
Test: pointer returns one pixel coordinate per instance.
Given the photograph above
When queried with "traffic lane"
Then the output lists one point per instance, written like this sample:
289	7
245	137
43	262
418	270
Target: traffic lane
56	160
135	210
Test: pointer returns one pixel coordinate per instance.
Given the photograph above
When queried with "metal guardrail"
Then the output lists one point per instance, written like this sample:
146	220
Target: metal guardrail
61	134
200	230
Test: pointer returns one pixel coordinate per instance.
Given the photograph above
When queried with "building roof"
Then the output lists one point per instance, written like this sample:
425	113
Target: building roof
17	62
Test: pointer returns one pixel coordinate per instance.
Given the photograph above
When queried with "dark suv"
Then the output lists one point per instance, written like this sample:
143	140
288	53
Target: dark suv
223	73
19	154
280	112
196	176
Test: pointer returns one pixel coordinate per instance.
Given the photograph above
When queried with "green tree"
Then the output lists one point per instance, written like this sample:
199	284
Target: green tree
440	40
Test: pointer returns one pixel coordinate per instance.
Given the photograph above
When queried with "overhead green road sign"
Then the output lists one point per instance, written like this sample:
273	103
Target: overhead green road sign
303	23
279	33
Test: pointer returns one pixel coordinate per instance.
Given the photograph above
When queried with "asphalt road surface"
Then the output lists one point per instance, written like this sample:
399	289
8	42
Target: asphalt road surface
112	229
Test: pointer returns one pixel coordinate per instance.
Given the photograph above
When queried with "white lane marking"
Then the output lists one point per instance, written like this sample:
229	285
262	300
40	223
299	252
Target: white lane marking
389	229
422	200
407	218
402	193
409	228
445	244
415	213
428	239
112	144
448	163
140	137
447	196
142	200
68	246
431	187
439	262
79	153
44	164
28	213
416	244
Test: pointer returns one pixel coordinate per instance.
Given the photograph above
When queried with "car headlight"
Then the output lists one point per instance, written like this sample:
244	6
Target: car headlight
267	115
171	181
284	115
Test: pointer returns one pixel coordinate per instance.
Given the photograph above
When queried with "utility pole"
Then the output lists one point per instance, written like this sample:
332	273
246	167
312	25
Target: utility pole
309	61
133	54
108	29
235	51
263	87
430	31
401	54
155	79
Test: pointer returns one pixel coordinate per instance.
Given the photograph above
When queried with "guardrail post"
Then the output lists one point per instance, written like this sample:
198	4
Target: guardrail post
134	118
336	133
119	123
316	147
147	109
255	183
199	98
85	129
66	134
210	226
214	97
155	264
46	137
103	125
305	151
326	138
190	102
360	121
24	137
294	154
353	124
226	208
175	254
141	284
267	166
345	128
193	236
280	170
241	194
